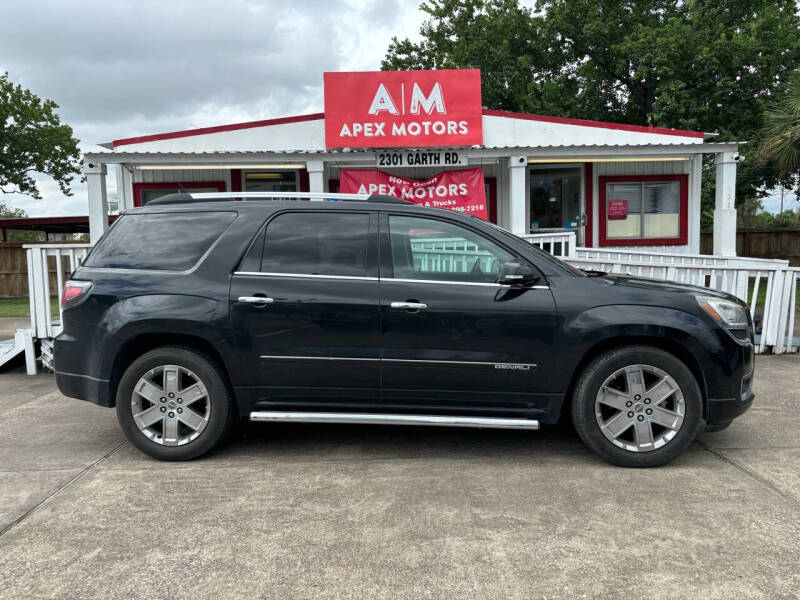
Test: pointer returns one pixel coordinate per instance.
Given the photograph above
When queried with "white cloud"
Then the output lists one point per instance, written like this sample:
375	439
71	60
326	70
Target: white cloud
120	69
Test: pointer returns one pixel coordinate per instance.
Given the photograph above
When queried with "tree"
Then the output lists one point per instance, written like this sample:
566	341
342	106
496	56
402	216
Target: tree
9	212
33	140
497	37
781	144
706	65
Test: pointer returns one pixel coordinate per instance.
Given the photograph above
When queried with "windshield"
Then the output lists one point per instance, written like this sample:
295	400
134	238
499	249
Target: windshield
544	255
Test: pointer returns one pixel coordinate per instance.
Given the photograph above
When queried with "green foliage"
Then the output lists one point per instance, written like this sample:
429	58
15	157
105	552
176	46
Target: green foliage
495	36
9	212
781	144
33	140
701	65
788	219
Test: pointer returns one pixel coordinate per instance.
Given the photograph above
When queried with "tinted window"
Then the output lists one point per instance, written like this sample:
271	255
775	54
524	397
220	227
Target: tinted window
160	240
317	244
436	250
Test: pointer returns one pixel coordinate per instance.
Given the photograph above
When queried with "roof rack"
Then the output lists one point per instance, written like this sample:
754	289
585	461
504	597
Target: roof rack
188	197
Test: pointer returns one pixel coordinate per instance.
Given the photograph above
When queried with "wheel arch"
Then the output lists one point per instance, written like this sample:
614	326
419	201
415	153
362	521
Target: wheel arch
674	347
137	345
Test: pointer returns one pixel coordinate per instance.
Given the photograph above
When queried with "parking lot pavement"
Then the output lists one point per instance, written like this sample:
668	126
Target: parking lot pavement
302	511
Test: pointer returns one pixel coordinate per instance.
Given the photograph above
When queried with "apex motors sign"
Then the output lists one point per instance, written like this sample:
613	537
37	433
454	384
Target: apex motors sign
391	109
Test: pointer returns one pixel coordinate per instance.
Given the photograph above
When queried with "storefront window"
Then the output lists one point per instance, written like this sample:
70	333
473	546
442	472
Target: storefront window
148	196
643	210
555	198
145	192
274	181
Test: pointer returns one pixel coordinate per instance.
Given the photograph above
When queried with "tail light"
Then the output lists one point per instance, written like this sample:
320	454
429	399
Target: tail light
74	291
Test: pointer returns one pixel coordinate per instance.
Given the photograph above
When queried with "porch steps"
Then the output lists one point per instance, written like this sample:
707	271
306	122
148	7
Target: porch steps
11	348
47	354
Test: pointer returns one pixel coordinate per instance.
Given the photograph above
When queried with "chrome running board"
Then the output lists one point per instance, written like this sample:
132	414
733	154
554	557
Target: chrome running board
393	419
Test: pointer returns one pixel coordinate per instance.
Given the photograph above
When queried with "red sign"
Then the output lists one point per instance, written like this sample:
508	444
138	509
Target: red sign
461	191
617	210
389	109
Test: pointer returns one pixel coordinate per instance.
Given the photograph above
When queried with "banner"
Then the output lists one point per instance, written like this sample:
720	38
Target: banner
408	109
461	191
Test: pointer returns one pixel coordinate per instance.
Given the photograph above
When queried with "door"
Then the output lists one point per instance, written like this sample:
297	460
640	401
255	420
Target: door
556	197
304	307
452	337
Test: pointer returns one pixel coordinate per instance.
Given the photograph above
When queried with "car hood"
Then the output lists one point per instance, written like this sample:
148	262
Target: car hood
660	286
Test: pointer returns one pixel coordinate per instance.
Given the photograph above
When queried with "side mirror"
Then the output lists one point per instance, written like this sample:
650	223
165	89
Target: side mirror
514	273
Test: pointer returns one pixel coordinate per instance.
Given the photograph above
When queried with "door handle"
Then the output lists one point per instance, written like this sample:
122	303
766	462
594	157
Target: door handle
408	306
257	300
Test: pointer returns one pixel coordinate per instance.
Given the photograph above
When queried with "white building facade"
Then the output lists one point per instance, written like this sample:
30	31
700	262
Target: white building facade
612	185
541	174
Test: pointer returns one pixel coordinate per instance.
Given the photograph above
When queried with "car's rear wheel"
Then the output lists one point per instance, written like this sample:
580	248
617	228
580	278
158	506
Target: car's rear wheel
637	406
173	403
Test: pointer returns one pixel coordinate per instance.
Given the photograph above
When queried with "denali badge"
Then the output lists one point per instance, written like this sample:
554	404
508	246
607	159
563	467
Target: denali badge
513	367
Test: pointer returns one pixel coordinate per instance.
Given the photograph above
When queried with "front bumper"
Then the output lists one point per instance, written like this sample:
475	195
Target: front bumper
725	409
84	387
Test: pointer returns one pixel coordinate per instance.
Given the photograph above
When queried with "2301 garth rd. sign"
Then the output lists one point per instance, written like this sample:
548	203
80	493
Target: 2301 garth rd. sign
381	109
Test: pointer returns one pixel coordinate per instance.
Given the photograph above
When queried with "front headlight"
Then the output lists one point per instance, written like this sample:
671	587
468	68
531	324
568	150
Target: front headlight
723	312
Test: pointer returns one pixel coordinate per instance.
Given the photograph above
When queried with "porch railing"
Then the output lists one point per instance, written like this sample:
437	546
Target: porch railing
768	286
745	278
557	243
42	259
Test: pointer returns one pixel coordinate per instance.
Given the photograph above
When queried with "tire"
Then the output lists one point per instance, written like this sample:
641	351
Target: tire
613	420
179	429
717	427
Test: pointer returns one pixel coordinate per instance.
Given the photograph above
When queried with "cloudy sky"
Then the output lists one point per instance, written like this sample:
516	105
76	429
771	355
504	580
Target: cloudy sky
119	69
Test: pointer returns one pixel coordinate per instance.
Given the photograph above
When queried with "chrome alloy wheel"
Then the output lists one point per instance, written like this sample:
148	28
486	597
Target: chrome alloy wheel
640	408
170	405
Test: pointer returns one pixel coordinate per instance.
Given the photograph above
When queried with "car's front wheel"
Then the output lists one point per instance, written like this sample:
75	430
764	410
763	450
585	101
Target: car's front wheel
637	406
173	403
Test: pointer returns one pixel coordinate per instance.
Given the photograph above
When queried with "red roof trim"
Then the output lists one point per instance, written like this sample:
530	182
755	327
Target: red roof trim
216	129
587	123
317	116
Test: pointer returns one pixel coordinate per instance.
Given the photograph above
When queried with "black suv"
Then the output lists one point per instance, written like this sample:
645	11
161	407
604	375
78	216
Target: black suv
189	316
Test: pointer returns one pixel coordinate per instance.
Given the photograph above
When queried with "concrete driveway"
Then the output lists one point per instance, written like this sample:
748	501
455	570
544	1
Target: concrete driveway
296	511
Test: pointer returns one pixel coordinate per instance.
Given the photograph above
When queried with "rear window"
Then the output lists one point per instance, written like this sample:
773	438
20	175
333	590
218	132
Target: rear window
168	241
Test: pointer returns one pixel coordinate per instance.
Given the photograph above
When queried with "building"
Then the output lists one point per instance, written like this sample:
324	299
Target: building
612	184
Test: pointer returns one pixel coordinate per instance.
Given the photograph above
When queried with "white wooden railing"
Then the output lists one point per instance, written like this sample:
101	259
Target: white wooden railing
449	255
742	277
43	323
557	243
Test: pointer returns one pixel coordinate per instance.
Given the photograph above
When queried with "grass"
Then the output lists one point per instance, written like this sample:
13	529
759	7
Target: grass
762	294
19	307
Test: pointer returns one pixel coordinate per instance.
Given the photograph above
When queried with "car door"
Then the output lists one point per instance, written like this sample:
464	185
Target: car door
452	337
304	308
